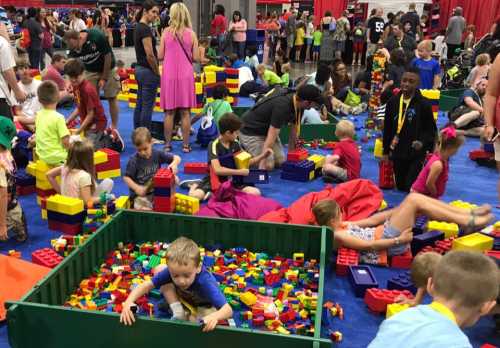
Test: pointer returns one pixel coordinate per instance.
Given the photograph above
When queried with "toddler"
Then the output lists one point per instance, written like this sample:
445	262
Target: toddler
299	40
480	71
317	35
429	69
268	77
285	74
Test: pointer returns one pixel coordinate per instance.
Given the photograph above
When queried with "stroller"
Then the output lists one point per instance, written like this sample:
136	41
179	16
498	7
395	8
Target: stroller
456	71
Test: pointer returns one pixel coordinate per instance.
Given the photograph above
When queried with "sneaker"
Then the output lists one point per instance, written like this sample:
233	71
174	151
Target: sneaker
117	138
186	184
157	141
22	231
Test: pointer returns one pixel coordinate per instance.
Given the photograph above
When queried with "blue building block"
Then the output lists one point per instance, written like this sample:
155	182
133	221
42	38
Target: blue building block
362	278
422	240
65	218
227	161
208	261
256	176
488	147
221	76
24	179
420	223
162	191
496	244
402	281
298	171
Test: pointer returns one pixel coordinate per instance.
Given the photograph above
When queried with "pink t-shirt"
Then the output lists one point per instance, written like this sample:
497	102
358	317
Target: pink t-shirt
239	30
74	180
52	74
420	184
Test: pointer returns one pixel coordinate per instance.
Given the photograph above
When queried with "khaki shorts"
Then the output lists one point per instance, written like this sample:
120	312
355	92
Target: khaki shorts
255	143
112	86
496	145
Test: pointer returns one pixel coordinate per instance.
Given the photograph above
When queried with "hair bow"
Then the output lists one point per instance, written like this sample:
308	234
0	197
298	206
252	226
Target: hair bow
449	133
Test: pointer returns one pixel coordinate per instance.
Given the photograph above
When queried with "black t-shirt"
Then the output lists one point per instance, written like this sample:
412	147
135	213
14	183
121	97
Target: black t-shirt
364	76
141	31
278	112
35	29
216	149
414	20
94	51
376	26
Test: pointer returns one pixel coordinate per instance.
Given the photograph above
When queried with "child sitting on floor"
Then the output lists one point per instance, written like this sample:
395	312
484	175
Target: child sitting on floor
267	77
433	177
464	287
11	214
25	112
185	280
143	165
391	230
480	70
203	47
219	106
285	74
77	175
225	144
345	163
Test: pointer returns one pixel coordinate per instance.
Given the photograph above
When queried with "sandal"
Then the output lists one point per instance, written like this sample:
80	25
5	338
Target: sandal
471	225
186	148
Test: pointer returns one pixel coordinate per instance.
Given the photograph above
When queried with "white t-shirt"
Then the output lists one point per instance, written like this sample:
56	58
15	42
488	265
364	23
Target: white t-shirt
309	30
441	47
77	24
7	62
31	105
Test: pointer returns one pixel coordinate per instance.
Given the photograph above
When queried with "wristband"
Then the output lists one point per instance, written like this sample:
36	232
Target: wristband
396	241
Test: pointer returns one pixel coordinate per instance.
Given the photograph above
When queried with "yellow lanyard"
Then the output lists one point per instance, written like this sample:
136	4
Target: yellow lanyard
445	311
402	115
298	114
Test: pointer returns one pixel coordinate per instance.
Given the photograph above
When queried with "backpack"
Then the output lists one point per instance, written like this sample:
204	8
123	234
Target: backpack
25	41
208	129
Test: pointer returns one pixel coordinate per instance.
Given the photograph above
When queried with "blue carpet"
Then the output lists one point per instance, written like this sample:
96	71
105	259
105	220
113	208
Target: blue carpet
359	325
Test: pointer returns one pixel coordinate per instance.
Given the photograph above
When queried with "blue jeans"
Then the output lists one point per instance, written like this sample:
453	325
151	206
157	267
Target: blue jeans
35	55
148	83
239	49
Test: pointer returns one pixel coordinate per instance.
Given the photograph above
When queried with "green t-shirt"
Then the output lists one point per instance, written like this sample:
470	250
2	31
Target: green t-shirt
219	108
271	78
317	38
285	80
50	129
93	51
211	53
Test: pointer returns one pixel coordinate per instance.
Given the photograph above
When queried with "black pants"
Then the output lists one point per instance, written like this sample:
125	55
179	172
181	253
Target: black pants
406	172
5	109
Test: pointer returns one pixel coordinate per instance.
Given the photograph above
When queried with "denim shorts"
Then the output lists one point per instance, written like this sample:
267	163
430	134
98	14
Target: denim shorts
391	232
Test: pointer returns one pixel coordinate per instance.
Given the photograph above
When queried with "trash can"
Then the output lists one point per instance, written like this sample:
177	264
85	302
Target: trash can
257	37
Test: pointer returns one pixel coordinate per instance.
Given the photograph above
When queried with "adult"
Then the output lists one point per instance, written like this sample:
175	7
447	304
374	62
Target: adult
454	32
53	73
409	130
309	38
75	22
290	30
238	29
147	72
340	35
273	28
8	80
413	18
36	35
375	30
93	49
327	48
395	69
218	27
48	36
468	114
178	49
263	122
107	24
399	39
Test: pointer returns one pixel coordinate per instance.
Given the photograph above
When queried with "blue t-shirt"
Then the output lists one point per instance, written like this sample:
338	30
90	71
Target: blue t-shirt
469	93
420	326
428	69
204	292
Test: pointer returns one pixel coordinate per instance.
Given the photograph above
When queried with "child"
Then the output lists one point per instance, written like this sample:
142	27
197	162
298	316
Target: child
317	43
422	269
470	37
233	61
440	46
185	279
358	43
51	133
142	166
77	175
219	106
225	144
268	77
11	214
299	40
122	72
88	104
285	75
464	287
203	47
212	50
25	113
345	164
391	230
252	60
429	67
123	32
433	177
480	71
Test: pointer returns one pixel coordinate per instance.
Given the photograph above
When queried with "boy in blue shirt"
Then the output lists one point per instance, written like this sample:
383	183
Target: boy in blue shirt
185	278
464	287
429	68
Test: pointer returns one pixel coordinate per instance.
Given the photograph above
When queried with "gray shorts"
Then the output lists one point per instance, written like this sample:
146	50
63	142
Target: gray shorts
255	143
338	173
290	40
496	145
113	85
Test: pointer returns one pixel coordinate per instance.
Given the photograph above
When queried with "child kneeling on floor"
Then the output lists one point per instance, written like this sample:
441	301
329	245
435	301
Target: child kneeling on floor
142	167
185	280
388	233
225	144
464	287
78	175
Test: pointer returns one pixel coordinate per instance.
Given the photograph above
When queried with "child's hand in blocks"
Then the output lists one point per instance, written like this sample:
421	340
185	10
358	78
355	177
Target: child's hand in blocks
127	315
210	321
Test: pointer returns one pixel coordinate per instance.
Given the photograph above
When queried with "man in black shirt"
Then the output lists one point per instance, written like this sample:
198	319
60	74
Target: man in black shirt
375	31
412	17
36	33
398	39
263	122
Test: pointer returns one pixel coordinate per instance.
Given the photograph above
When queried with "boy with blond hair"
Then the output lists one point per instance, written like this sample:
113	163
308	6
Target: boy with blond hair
429	69
345	163
464	287
186	280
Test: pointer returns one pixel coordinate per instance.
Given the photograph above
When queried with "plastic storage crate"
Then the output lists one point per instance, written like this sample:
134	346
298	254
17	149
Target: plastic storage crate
49	324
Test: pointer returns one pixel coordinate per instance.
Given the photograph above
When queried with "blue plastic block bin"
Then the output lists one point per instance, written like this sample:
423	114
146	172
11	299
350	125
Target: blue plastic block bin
362	278
422	240
402	281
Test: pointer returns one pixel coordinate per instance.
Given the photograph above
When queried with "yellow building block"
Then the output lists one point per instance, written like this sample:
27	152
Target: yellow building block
65	205
198	88
395	308
109	174
449	229
100	157
473	242
31	168
311	175
210	77
248	298
233	81
122	202
186	205
41	170
132	105
212	68
43	185
383	205
122	96
242	160
134	86
463	205
378	149
44	214
197	110
319	161
433	94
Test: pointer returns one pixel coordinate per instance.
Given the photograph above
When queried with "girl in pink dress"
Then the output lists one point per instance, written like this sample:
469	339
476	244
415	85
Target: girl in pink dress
178	50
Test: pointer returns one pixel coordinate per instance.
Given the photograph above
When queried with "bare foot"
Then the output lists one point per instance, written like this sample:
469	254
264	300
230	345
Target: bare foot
484	209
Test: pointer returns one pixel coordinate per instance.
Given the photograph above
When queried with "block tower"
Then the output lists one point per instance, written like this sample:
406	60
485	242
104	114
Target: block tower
164	191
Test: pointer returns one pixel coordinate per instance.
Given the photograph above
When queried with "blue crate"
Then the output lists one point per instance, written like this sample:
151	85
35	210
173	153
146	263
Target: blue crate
256	176
24	179
402	281
362	279
422	240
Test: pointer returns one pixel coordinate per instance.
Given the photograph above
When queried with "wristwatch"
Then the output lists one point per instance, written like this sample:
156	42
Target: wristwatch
397	241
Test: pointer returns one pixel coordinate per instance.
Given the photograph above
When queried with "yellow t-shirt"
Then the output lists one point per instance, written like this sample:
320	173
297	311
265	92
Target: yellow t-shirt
271	78
50	129
299	37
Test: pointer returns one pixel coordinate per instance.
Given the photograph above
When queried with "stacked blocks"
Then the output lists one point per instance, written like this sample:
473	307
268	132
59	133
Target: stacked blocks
25	183
395	308
483	158
345	258
433	95
449	229
39	170
254	177
378	150
402	261
377	300
362	279
196	168
242	160
122	202
425	239
401	281
46	257
186	205
65	214
386	175
473	242
302	171
110	168
164	191
319	162
297	155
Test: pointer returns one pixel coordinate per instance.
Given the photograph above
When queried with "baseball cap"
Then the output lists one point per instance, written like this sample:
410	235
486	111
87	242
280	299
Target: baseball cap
310	93
7	132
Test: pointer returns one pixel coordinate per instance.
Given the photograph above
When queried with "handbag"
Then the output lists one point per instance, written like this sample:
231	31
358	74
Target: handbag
208	128
352	98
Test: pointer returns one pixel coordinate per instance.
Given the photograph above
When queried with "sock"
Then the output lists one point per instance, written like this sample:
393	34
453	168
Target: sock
178	311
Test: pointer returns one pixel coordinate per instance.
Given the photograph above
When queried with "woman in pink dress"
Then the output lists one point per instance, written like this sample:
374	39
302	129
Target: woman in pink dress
178	49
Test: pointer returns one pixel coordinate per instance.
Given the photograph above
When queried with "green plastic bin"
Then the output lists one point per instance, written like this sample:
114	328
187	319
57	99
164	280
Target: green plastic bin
39	320
449	98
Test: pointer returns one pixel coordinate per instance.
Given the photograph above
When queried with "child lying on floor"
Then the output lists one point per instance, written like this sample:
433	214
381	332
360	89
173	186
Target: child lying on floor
391	230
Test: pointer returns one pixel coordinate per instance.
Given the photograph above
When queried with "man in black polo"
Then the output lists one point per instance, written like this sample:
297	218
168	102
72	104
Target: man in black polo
93	49
262	123
413	18
398	39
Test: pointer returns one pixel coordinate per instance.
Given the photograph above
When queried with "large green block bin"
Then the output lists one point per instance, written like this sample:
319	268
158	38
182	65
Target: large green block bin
39	320
310	132
449	98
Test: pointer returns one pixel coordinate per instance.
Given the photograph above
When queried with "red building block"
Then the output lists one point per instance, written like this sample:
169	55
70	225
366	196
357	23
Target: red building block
480	154
297	155
378	299
196	168
112	163
493	253
164	204
25	190
45	193
345	258
46	257
386	175
72	229
259	321
443	246
402	261
164	178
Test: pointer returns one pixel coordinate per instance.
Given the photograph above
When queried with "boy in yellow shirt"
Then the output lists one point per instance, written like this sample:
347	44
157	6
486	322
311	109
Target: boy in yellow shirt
299	40
268	77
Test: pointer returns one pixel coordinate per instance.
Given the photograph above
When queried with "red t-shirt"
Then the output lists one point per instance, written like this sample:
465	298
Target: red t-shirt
52	74
349	157
86	99
218	25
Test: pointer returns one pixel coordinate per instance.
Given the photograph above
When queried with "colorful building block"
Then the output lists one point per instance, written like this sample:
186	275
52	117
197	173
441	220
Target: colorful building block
164	178
46	257
122	202
425	239
100	157
72	229
449	229
186	205
362	278
378	299
242	160
298	171
395	308
401	281
318	160
65	205
297	155
345	258
112	162
109	174
473	242
386	175
378	149
402	261
196	168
